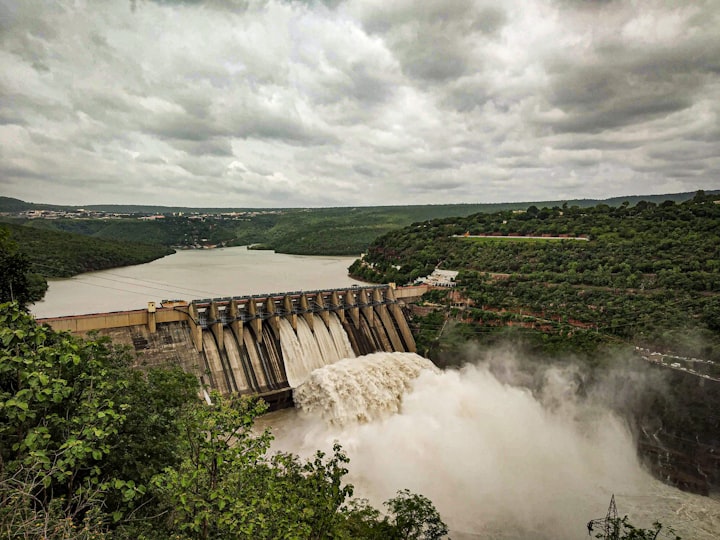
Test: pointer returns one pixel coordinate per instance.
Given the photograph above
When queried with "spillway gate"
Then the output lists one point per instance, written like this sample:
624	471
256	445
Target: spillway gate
269	343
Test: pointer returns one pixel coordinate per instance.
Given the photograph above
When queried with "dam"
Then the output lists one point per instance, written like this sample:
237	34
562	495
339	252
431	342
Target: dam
265	344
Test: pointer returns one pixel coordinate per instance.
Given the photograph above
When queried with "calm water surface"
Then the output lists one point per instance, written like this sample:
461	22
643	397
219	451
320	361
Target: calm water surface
189	275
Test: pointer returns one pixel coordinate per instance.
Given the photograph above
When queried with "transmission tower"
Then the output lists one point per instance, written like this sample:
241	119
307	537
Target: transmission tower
609	525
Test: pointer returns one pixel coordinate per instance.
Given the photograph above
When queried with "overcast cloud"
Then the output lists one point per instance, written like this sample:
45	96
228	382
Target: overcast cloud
358	102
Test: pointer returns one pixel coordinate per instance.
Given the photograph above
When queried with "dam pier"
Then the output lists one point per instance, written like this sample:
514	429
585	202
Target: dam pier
263	344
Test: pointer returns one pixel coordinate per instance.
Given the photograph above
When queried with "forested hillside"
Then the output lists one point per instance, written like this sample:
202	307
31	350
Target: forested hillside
648	274
316	231
302	231
61	254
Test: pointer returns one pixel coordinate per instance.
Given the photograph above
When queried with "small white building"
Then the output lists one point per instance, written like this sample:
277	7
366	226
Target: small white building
440	278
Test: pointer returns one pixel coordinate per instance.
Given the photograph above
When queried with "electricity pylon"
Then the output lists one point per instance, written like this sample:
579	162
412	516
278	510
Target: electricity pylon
609	525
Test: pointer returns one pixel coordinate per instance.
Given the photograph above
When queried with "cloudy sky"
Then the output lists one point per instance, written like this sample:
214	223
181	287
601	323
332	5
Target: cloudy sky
356	102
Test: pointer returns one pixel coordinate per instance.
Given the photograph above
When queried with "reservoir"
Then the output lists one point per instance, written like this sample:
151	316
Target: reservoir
192	274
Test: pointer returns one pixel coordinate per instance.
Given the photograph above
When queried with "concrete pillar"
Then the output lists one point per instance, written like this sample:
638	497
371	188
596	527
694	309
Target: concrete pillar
151	323
236	324
320	301
384	315
335	299
350	306
304	305
273	320
216	326
288	307
254	322
366	309
399	316
195	328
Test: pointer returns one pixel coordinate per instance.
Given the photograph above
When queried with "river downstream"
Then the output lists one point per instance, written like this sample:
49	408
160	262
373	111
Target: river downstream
192	274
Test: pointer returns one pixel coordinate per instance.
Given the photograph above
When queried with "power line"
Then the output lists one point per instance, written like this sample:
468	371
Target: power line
189	289
167	287
117	289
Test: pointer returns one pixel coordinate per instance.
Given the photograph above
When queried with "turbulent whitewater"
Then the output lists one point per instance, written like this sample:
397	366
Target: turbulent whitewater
498	460
363	389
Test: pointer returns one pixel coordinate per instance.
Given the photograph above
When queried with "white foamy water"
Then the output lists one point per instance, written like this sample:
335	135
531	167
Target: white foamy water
496	461
360	389
324	340
301	351
340	337
309	350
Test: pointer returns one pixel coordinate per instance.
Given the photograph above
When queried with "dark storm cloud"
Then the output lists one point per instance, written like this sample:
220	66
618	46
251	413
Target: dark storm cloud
364	170
433	40
435	164
205	147
624	87
432	187
285	103
622	111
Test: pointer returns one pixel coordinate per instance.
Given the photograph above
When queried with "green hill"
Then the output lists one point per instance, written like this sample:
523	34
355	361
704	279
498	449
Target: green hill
61	254
649	274
305	231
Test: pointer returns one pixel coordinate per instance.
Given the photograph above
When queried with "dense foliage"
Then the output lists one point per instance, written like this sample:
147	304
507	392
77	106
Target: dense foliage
91	448
57	254
649	274
17	281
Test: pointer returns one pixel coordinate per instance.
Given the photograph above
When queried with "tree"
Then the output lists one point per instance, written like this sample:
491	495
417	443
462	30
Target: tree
621	529
79	427
17	282
414	517
60	406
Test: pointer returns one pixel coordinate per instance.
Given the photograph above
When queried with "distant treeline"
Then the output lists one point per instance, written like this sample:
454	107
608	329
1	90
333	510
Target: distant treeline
302	231
321	231
9	204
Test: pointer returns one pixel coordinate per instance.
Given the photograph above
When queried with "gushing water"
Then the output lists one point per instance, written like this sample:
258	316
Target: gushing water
328	350
301	351
497	461
340	337
308	350
360	389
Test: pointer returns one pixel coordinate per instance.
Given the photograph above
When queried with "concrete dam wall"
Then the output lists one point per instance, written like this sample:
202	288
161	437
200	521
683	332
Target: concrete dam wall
261	344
